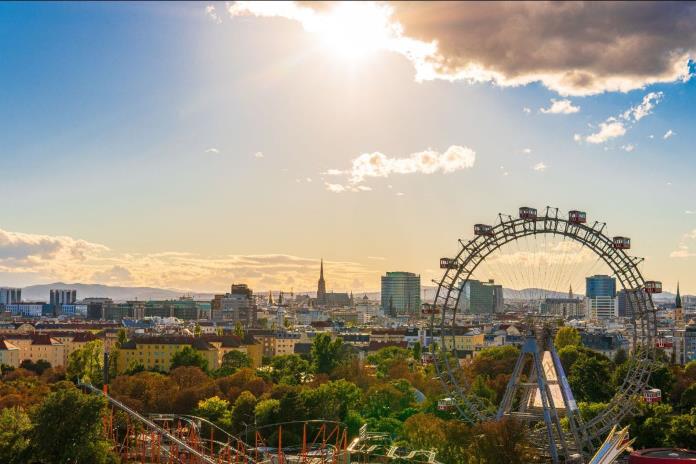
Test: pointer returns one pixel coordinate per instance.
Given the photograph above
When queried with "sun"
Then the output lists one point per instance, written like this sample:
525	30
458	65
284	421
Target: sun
354	30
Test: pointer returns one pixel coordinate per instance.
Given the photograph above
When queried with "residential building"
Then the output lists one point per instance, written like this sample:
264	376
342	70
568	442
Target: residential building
36	346
156	352
9	354
401	294
564	307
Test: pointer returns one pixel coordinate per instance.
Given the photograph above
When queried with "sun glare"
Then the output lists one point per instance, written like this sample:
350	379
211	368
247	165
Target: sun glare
355	30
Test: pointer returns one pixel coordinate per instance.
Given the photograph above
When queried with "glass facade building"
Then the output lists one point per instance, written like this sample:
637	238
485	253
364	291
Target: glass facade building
478	297
601	297
401	293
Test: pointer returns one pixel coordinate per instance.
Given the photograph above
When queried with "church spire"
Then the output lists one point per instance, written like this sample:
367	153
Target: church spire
321	269
677	301
321	285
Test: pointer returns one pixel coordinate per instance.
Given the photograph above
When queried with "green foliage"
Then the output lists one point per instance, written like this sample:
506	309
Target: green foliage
620	357
188	356
87	363
15	427
243	412
688	398
55	440
590	379
267	412
417	351
385	358
37	367
589	411
232	361
332	400
289	369
216	410
494	361
567	336
122	338
383	400
326	353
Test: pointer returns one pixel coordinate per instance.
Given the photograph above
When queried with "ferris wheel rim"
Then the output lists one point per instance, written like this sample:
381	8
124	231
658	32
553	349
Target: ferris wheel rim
477	250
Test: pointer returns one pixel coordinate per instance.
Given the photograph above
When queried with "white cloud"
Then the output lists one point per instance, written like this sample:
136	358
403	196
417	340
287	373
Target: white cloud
333	172
527	110
400	194
44	258
688	211
377	258
651	136
644	108
577	137
668	134
540	167
212	150
607	130
629	147
527	151
211	12
336	188
258	154
560	107
376	164
594	47
686	245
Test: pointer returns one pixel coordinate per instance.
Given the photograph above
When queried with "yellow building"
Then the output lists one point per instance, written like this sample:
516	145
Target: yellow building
9	354
38	346
226	343
155	352
72	341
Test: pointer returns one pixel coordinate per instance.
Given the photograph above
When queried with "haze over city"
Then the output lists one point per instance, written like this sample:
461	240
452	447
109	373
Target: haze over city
192	145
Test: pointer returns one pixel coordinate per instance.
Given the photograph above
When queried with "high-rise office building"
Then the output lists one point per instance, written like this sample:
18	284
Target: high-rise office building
10	295
476	297
61	296
236	306
600	291
401	293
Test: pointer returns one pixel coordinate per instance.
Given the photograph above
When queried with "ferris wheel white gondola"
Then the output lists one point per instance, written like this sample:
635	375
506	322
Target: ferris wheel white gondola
621	243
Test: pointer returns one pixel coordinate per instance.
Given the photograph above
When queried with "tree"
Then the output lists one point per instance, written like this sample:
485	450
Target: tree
55	440
590	379
688	398
385	358
122	338
417	351
289	369
326	353
216	410
37	367
682	431
197	330
266	412
15	427
239	330
243	412
425	431
500	441
567	336
235	360
188	356
620	357
332	400
495	360
87	363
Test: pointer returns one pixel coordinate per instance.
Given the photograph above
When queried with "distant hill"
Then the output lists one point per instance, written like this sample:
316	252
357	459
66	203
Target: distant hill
41	292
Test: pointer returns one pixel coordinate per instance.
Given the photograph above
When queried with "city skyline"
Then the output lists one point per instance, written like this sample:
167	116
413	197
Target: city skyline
142	147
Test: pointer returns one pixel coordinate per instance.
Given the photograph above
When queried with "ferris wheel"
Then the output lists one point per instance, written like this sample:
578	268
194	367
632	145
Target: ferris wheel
568	249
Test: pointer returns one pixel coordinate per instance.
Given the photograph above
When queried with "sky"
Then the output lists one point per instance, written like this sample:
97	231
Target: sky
192	145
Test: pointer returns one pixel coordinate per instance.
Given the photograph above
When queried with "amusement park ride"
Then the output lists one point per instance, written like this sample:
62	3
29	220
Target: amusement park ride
537	394
543	395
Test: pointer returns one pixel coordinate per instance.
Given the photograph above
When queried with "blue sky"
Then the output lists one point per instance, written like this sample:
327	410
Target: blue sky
151	144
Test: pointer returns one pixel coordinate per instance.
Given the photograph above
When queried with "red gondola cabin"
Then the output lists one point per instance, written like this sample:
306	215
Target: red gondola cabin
622	243
483	229
577	217
448	263
527	213
652	286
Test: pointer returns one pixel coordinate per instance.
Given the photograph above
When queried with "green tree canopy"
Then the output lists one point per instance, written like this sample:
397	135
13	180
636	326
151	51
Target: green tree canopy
216	410
289	369
567	336
56	440
188	356
15	428
326	353
87	363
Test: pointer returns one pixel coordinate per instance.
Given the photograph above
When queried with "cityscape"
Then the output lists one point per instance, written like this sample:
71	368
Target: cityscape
207	256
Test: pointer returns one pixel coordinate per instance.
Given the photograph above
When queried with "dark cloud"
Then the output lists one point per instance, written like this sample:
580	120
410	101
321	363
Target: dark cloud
575	48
